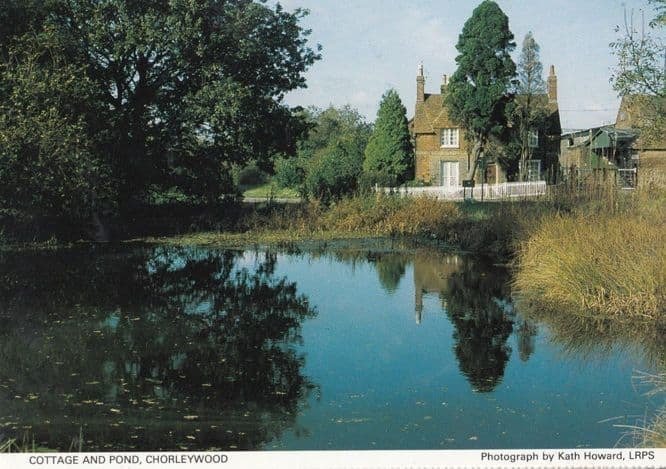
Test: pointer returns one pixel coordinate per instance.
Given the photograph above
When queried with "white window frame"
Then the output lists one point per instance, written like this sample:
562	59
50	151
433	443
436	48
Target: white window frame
533	139
533	170
449	138
452	179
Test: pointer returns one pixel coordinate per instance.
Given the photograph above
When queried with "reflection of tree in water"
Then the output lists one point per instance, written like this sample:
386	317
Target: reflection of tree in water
390	270
476	306
163	348
526	333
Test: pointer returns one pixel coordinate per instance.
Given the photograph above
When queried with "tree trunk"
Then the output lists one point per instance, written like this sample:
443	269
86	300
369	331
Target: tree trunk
477	152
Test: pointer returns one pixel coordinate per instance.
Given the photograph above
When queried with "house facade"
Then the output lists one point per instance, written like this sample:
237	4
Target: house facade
443	154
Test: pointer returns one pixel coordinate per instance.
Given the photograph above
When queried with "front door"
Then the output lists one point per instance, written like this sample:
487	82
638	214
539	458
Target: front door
449	173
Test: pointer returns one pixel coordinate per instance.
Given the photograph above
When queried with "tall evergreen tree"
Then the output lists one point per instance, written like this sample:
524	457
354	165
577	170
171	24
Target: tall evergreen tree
479	91
531	107
389	153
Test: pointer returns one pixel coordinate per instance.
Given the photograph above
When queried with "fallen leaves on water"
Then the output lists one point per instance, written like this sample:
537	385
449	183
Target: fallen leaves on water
190	417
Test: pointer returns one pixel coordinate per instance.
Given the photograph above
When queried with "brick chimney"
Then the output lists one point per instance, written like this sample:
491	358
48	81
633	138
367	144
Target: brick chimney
420	85
445	83
552	85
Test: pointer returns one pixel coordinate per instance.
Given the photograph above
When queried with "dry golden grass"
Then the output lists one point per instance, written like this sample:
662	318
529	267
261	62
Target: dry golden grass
655	433
374	215
605	258
610	265
652	432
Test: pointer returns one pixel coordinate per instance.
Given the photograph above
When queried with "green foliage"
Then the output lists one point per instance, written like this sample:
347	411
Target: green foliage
478	92
289	172
332	154
48	164
174	92
333	172
251	175
389	156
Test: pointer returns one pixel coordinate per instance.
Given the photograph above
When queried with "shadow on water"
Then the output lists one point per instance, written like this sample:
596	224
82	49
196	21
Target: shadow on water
161	348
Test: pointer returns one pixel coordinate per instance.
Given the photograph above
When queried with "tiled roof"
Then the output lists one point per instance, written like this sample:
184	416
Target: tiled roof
431	115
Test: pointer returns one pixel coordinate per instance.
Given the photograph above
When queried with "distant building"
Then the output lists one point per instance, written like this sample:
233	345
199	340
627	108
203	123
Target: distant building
443	154
598	148
634	113
619	146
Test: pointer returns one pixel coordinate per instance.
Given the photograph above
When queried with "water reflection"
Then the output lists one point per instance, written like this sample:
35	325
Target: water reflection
100	345
476	305
476	299
390	269
590	337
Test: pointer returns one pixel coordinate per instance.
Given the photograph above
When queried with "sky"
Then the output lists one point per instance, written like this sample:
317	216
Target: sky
370	46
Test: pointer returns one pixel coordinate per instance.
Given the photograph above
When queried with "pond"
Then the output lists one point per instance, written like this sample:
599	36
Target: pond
366	346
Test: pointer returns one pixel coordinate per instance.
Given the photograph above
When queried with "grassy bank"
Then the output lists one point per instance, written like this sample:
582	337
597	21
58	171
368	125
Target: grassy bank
604	260
596	274
491	228
605	265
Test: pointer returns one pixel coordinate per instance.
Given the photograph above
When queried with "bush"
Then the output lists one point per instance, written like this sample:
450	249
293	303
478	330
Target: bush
289	172
333	173
251	175
381	178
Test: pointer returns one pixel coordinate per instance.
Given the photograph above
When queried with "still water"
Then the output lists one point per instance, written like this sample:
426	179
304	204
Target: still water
353	347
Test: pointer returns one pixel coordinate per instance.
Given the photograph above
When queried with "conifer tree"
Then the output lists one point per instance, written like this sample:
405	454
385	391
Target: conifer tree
531	109
479	91
388	155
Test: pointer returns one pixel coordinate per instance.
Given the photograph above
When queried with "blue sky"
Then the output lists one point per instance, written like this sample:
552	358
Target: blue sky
370	46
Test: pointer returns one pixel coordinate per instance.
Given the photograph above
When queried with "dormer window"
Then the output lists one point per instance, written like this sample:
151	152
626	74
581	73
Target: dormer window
449	138
533	139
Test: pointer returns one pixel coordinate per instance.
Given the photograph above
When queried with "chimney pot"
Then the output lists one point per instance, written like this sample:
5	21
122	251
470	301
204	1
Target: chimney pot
420	85
552	85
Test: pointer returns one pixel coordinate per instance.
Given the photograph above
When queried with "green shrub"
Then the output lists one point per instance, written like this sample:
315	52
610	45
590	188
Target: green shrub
289	172
381	178
251	175
333	173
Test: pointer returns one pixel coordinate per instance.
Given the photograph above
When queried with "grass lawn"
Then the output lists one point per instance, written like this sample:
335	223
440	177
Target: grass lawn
270	189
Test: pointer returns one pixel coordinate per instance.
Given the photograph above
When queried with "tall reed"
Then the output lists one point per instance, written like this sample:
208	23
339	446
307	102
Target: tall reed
604	259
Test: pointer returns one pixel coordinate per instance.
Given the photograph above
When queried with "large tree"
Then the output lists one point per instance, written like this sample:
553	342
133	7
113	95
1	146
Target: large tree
49	166
182	89
641	68
479	91
389	153
332	155
531	105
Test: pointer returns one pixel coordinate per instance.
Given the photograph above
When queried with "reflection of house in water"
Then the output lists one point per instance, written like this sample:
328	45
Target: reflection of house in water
431	275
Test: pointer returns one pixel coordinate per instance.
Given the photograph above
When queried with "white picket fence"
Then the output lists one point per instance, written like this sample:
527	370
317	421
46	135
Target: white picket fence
504	190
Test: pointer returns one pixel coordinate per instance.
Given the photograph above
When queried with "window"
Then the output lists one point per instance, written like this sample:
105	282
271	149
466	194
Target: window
533	170
449	138
533	139
449	172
